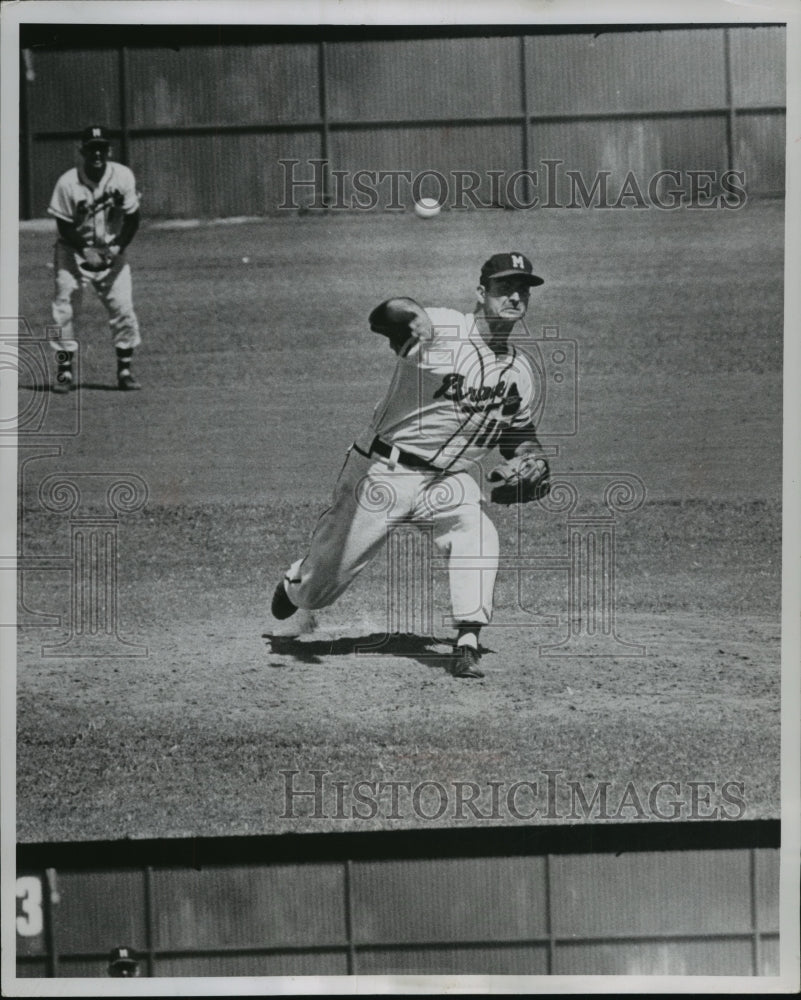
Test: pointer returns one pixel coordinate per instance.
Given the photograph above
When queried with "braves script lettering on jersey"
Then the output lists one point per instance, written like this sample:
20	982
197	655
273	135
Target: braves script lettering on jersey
451	398
459	390
96	208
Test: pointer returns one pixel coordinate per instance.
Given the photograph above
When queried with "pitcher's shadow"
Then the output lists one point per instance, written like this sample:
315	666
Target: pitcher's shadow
306	649
94	386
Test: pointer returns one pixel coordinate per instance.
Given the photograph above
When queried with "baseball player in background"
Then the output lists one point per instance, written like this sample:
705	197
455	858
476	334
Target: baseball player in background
459	390
123	963
96	208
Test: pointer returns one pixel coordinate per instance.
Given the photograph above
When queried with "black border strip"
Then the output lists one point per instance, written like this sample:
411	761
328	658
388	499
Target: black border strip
498	841
177	36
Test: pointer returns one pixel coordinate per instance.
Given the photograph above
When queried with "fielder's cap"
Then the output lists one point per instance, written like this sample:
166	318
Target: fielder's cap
506	265
95	135
122	957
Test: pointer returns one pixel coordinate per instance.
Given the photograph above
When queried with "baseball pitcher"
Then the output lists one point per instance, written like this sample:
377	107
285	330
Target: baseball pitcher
96	208
459	390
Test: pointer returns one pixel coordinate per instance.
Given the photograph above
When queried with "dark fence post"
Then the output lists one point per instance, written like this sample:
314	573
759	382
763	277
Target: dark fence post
125	151
150	920
526	112
324	143
351	968
730	111
50	898
25	159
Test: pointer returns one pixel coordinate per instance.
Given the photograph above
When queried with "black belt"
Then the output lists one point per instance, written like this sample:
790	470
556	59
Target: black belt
384	450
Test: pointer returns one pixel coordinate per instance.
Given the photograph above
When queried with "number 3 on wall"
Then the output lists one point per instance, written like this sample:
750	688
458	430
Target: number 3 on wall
30	922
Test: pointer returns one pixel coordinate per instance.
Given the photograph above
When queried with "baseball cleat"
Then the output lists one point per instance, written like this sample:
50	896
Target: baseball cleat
303	623
282	607
127	382
465	662
64	381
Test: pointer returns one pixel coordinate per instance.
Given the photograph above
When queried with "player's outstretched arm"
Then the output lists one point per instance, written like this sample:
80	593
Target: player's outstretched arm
403	322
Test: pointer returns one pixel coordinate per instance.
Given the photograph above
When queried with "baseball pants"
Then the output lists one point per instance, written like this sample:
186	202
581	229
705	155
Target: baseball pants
114	289
369	496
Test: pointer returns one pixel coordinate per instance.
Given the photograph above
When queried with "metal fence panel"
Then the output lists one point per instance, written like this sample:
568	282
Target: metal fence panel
759	151
523	960
695	912
654	79
769	958
268	907
643	146
767	889
667	70
758	63
73	89
32	970
476	149
448	899
217	175
98	910
223	85
52	158
83	968
664	958
690	892
292	964
420	78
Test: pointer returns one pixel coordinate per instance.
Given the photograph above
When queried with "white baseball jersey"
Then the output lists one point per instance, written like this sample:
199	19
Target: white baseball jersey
451	397
96	209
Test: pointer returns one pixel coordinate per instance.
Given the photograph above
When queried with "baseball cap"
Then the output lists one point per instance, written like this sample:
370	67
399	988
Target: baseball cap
95	135
505	265
122	957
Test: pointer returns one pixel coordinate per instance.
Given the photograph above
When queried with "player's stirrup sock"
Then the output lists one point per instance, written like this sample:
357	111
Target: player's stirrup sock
124	356
65	361
467	635
64	381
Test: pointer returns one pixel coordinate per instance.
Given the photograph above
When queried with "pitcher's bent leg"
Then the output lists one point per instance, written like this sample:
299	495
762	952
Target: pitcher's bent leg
350	533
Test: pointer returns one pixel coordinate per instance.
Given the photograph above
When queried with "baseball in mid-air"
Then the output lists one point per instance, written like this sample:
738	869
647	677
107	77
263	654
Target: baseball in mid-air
427	208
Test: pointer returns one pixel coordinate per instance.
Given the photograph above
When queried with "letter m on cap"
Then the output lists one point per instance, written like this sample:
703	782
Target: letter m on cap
517	261
96	135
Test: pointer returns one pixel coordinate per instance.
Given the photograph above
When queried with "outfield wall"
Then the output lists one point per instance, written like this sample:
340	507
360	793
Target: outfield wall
205	117
613	900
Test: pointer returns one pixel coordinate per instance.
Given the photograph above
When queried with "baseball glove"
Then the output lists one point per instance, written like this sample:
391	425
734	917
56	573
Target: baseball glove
96	259
520	480
400	320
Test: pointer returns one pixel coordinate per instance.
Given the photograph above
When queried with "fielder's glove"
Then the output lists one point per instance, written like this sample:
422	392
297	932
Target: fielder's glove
402	321
96	258
520	480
